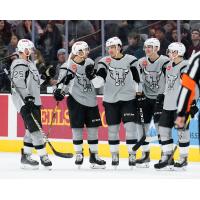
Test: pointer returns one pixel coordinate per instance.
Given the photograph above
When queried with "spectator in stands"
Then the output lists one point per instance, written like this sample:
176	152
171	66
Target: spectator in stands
111	30
80	28
50	42
61	56
5	35
134	45
24	30
13	44
123	31
168	27
39	60
152	32
164	43
195	36
174	36
185	38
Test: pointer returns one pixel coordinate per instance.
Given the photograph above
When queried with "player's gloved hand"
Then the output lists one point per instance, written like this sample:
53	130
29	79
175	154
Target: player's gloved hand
59	94
47	73
29	102
140	97
194	109
90	72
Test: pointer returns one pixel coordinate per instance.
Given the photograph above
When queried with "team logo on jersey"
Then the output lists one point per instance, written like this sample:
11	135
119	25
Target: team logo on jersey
144	63
84	82
170	81
119	75
74	67
152	78
108	60
168	68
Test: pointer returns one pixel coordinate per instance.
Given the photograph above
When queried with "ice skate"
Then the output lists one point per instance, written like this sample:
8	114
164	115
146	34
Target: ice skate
115	160
144	161
166	163
46	162
27	162
96	162
181	164
79	160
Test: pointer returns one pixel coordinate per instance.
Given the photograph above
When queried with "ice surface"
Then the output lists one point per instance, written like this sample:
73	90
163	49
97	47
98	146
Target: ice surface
65	168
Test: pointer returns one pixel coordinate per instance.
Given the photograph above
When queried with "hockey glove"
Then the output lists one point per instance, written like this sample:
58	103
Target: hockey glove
59	94
90	72
49	73
194	109
29	102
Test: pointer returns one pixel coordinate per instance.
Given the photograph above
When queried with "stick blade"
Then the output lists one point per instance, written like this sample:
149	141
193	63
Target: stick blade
63	155
60	154
139	143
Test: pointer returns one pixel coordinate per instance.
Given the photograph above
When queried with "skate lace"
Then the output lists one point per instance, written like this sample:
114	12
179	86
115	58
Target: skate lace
28	157
115	157
132	157
97	157
79	157
45	158
181	160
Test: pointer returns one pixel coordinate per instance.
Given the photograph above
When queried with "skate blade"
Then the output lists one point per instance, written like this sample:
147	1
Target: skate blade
115	167
48	168
95	166
132	167
143	165
167	168
29	167
78	167
180	168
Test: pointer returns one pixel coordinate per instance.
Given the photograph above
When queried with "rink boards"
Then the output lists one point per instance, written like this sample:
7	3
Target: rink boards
12	130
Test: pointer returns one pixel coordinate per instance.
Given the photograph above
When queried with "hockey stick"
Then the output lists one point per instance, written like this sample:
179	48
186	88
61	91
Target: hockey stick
59	154
4	64
143	138
57	102
52	119
180	136
15	54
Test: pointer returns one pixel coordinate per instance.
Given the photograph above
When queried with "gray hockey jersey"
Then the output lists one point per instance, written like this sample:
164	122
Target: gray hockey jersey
152	75
81	88
27	81
119	84
173	83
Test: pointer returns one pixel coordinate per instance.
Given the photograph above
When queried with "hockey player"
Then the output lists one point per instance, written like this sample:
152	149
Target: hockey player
152	69
26	84
189	90
82	103
174	71
120	78
190	80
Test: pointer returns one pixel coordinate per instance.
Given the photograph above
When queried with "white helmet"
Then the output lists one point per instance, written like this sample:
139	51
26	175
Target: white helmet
24	44
79	46
177	46
152	42
113	41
